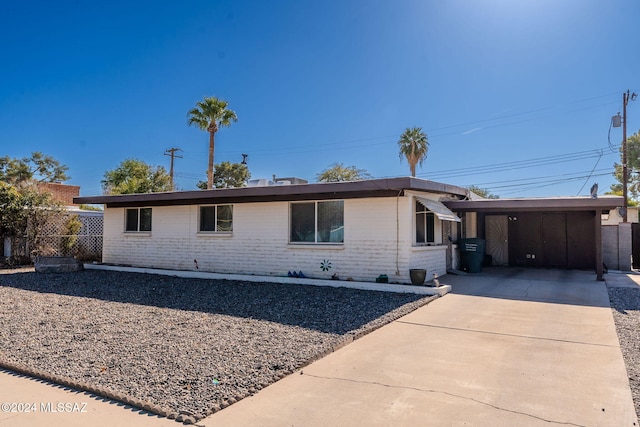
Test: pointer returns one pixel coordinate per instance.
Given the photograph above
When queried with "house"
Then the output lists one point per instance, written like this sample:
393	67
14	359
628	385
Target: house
354	230
358	230
51	233
63	193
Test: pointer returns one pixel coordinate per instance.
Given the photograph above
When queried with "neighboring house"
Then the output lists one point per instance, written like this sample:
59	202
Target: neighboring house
88	242
355	230
62	193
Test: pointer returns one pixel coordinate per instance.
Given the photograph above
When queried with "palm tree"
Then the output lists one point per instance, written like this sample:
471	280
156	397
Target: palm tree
413	145
210	115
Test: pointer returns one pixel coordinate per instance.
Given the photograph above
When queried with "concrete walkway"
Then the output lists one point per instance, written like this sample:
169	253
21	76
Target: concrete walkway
507	347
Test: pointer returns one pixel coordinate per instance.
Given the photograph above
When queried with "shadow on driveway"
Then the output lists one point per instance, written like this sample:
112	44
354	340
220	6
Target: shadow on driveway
572	287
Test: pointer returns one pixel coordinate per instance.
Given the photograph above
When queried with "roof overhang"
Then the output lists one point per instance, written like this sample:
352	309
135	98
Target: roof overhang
553	204
391	187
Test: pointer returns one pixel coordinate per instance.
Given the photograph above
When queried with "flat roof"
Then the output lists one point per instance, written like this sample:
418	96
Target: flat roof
549	204
390	187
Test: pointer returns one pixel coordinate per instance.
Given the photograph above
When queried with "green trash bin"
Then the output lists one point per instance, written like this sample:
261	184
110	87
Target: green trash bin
472	253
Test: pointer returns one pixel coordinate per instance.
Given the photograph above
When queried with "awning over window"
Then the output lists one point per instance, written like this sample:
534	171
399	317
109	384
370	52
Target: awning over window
440	210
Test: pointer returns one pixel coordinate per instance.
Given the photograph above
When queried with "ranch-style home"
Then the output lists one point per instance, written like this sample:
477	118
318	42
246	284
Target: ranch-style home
348	230
358	230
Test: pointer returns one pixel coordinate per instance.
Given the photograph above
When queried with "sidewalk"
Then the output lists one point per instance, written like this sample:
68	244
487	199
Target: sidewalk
53	405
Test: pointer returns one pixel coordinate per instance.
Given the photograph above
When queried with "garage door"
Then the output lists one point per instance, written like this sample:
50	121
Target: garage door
558	240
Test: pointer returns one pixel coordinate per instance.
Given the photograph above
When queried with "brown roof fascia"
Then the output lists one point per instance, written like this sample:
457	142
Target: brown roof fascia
552	204
319	191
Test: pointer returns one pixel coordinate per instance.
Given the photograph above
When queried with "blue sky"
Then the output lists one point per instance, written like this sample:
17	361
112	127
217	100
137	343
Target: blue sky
515	96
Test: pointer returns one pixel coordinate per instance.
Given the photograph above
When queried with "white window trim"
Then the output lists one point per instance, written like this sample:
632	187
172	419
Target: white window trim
437	228
137	232
315	244
214	232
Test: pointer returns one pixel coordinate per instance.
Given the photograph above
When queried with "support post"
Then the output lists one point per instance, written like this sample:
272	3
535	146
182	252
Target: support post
598	238
625	169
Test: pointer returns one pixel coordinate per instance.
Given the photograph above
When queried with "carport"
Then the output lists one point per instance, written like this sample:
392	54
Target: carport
564	232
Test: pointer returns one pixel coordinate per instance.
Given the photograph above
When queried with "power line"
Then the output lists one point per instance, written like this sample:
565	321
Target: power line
545	178
484	169
432	132
590	173
549	184
512	165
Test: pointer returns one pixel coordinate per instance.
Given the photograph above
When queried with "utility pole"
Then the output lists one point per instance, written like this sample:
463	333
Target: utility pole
625	100
172	153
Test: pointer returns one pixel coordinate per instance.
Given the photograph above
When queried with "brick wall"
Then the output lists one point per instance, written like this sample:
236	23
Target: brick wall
374	242
61	192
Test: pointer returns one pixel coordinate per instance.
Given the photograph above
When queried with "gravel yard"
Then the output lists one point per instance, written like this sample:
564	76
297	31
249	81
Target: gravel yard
187	345
625	303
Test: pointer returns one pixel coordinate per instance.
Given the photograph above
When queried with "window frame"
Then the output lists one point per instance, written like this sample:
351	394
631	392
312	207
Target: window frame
316	231
216	219
138	220
425	213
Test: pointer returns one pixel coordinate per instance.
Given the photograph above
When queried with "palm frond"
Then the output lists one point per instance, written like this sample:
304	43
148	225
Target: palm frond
414	145
211	110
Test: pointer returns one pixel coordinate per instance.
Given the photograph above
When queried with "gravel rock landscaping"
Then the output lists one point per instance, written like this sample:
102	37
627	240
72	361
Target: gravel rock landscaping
190	346
625	303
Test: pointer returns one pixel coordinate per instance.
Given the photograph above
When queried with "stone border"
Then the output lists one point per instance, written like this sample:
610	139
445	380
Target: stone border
365	286
188	418
57	264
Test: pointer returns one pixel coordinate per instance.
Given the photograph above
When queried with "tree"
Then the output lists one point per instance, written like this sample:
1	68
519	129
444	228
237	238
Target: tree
135	176
616	190
338	172
12	212
70	230
38	167
482	192
228	175
414	146
633	169
25	211
210	115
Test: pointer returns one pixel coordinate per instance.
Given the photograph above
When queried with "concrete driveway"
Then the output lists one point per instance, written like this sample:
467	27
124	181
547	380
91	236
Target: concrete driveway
507	347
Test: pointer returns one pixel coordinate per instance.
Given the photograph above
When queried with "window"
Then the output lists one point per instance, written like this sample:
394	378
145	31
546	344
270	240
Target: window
138	219
216	219
317	222
425	225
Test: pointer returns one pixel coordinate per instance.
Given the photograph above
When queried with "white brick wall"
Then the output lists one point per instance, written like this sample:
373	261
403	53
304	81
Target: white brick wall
375	242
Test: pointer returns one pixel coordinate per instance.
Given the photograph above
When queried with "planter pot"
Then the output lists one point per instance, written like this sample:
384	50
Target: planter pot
383	278
418	275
